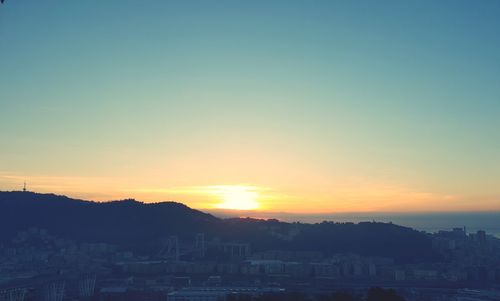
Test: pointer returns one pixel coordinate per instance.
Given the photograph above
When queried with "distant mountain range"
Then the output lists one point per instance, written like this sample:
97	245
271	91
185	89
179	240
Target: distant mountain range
134	224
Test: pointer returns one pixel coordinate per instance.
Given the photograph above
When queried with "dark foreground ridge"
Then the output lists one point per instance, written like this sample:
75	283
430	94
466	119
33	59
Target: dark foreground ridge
137	225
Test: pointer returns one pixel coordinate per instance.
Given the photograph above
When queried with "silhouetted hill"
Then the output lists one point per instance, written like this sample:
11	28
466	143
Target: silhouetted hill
131	223
366	238
126	221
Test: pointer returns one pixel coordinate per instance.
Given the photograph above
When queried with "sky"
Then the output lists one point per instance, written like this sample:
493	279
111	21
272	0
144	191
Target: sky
290	106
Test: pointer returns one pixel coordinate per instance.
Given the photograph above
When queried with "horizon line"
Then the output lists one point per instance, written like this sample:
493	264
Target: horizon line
243	212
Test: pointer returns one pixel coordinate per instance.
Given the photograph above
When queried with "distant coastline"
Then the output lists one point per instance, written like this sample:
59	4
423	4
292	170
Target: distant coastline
429	222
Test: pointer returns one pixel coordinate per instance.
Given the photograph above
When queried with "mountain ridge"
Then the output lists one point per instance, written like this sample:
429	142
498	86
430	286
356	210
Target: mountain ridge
134	224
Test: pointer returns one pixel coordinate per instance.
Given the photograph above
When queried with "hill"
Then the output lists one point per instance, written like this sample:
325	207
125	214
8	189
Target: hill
131	223
126	221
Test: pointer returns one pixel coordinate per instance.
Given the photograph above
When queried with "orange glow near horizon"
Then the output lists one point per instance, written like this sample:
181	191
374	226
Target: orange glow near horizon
341	195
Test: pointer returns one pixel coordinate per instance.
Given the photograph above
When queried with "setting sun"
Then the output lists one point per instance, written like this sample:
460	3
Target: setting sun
237	197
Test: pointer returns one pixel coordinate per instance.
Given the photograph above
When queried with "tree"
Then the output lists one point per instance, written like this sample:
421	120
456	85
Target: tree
380	294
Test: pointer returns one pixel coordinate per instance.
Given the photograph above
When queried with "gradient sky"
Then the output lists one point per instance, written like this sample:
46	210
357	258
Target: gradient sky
300	106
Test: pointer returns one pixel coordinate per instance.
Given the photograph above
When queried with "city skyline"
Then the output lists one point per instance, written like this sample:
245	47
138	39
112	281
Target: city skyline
281	106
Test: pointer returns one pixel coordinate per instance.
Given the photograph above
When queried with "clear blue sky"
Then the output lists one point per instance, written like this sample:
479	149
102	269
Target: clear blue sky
344	105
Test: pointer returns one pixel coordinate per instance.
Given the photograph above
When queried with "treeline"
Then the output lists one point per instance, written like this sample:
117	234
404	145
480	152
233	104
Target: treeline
373	294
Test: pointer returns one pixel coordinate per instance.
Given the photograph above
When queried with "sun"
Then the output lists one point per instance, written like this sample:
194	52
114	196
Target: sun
237	197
